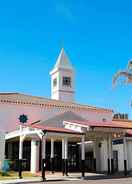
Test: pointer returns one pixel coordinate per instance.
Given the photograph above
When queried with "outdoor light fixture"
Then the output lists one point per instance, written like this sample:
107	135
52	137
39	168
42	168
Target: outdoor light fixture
100	144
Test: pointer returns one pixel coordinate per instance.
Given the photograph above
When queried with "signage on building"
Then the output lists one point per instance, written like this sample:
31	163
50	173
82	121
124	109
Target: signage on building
121	116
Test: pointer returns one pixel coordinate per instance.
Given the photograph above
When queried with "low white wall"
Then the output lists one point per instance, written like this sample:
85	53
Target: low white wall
129	154
119	148
100	154
2	149
103	157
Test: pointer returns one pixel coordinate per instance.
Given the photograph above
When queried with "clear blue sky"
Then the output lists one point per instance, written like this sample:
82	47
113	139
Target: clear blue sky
97	36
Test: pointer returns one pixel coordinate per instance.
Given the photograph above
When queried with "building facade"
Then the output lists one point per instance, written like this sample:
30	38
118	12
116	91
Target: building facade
2	148
58	131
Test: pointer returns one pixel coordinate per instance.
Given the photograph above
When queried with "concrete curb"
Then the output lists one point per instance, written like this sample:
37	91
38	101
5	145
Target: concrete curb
15	181
34	180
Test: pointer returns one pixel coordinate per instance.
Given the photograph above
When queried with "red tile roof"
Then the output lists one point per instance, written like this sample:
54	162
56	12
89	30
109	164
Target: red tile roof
53	129
113	124
124	122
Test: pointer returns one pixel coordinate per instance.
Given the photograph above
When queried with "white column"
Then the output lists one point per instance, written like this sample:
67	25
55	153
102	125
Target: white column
63	156
110	149
109	155
43	157
20	147
21	139
83	156
125	148
66	148
44	148
63	148
98	155
94	149
83	148
34	156
125	156
66	155
52	148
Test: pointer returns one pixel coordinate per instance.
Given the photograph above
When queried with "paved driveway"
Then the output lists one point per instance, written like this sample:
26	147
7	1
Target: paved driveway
91	181
74	178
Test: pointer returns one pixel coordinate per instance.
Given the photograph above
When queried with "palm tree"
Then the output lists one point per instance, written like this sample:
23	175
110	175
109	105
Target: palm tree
126	73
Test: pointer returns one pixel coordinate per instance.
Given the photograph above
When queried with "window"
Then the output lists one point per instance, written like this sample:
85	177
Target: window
66	81
55	82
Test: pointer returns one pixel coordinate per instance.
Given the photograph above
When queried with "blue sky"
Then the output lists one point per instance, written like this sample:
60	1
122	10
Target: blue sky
97	36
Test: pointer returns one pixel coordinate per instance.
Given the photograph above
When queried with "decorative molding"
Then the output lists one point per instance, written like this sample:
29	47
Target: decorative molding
55	103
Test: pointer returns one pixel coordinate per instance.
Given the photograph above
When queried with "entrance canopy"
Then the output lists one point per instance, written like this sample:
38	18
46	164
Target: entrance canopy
95	129
73	125
65	129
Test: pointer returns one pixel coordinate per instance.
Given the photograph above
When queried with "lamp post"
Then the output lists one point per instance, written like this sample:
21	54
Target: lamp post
23	119
43	155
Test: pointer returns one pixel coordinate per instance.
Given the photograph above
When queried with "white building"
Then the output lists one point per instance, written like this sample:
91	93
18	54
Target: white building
60	124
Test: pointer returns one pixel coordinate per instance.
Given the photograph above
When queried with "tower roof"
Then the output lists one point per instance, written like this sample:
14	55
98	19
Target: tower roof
63	61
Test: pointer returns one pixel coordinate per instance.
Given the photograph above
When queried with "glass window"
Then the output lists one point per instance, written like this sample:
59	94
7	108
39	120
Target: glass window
55	82
66	81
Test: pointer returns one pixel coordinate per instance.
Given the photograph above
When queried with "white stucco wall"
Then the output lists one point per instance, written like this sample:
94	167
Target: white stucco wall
2	148
97	155
60	92
9	114
100	154
103	156
129	154
119	148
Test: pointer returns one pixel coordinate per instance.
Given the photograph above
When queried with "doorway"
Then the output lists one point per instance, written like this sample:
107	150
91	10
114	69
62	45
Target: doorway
115	160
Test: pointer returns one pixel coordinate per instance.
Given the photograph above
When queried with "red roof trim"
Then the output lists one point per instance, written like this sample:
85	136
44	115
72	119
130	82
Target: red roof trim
54	129
100	124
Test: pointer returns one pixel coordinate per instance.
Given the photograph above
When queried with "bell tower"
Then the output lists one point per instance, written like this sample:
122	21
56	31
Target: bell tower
62	79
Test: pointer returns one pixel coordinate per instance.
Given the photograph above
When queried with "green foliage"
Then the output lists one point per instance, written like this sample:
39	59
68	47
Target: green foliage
2	173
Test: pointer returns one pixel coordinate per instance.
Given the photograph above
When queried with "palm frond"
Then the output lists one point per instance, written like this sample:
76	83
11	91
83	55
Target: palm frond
120	74
129	66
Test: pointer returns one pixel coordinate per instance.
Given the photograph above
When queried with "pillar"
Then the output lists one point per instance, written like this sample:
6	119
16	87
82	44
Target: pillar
98	154
43	157
83	156
108	153
20	156
52	155
125	155
34	156
9	154
66	156
111	155
94	154
63	156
